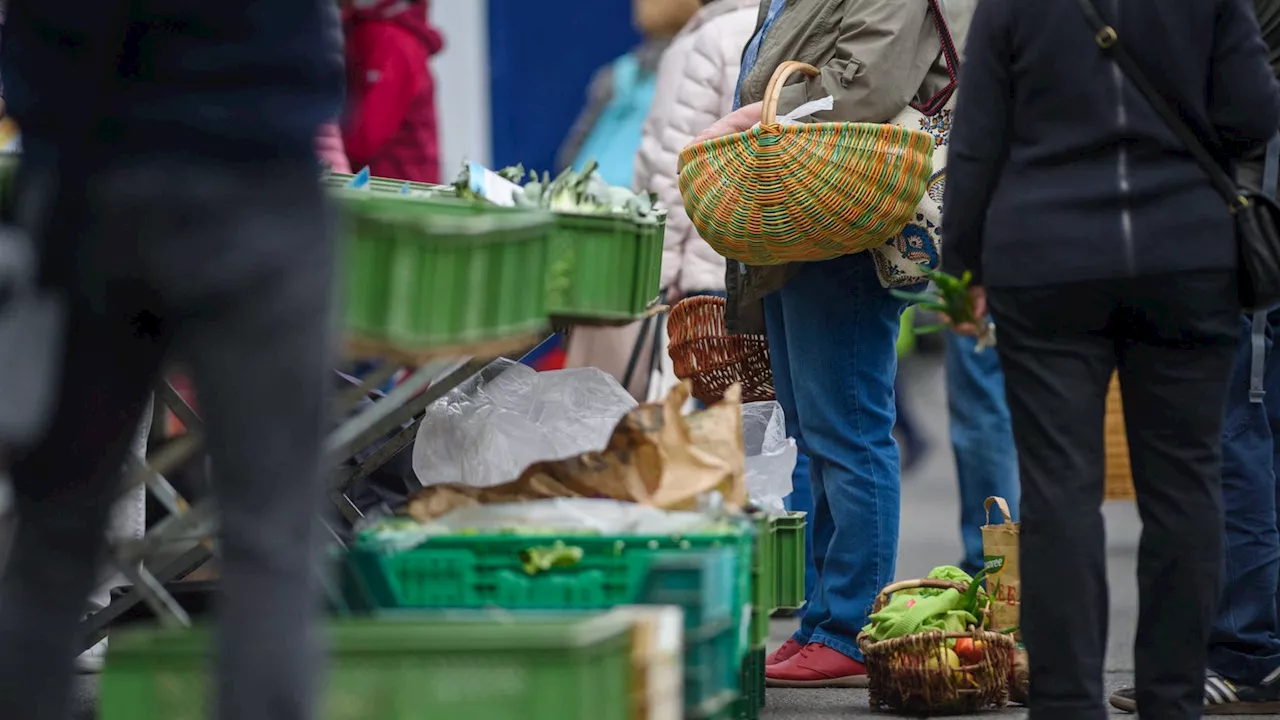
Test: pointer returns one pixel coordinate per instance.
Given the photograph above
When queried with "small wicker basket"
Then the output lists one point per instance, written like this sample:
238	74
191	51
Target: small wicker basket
914	674
704	353
1119	475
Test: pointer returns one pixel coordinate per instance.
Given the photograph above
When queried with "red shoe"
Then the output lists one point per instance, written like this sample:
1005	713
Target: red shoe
786	652
817	666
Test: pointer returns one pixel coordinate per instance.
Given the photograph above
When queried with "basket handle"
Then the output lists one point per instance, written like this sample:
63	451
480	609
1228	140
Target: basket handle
1004	509
883	598
769	111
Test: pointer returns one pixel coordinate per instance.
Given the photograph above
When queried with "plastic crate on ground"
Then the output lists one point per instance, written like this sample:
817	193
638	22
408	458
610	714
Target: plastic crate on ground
449	666
752	684
789	549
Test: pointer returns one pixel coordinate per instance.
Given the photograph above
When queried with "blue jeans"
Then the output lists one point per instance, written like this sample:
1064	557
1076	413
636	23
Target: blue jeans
1244	645
832	341
982	438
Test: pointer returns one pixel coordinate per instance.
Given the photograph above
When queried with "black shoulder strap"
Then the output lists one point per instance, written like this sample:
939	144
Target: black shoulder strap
1107	39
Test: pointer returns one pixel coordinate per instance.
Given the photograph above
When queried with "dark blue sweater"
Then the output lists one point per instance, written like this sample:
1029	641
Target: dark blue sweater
226	79
1059	171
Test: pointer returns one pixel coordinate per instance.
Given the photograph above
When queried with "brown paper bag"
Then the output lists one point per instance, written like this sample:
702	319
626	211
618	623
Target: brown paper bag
1004	578
656	456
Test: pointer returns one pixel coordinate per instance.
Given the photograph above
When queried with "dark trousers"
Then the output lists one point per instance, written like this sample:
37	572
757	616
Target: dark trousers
1173	339
1245	646
230	270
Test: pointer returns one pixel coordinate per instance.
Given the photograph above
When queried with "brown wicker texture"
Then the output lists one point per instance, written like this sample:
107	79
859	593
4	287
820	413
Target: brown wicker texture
1119	475
704	353
914	675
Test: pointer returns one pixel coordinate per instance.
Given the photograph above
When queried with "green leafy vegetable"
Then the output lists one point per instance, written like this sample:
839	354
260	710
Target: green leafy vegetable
951	298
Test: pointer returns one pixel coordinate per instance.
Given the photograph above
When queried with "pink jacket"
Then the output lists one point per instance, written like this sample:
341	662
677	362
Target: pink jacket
329	148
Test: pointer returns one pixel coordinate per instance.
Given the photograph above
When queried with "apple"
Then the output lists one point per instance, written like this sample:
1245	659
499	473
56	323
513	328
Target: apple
949	659
970	650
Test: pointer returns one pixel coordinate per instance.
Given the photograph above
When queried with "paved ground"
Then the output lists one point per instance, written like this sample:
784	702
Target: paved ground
930	537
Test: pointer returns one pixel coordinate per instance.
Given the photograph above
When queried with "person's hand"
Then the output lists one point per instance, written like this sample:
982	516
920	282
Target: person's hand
744	118
977	296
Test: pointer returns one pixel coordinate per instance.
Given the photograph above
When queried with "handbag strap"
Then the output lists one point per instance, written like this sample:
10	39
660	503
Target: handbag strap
952	57
1258	328
1107	38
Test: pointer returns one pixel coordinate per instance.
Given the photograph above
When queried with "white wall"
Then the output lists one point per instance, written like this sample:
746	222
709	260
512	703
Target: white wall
462	83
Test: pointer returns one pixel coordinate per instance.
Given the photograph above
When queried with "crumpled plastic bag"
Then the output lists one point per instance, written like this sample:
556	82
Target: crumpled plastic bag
488	430
655	456
771	456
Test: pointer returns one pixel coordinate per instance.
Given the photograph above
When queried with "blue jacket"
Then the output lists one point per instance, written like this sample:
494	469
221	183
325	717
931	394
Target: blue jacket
1060	172
231	79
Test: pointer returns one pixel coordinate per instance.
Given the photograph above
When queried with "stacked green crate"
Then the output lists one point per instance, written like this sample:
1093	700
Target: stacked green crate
593	260
604	266
478	571
789	563
448	666
424	273
648	274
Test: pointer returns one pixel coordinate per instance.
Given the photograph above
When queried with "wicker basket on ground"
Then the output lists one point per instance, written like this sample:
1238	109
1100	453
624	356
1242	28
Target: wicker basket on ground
1119	476
921	674
704	353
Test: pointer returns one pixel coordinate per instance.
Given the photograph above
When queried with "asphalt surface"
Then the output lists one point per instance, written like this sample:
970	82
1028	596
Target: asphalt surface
931	537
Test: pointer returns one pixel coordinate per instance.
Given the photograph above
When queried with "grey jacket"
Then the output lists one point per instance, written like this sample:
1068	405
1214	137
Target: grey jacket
876	57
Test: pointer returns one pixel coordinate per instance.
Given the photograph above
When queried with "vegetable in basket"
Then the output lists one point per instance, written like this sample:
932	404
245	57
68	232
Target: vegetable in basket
952	299
932	609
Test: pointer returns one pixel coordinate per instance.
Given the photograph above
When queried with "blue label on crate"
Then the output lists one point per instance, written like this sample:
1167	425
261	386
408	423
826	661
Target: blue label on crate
360	181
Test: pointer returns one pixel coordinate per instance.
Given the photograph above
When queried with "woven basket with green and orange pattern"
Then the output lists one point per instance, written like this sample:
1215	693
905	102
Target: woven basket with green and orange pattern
789	193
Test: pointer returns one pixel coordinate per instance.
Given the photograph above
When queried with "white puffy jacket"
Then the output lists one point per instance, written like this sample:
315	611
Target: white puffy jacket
695	87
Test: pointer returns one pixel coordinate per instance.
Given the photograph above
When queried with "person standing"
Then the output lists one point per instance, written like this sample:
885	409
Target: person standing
1244	647
1101	245
832	325
391	125
981	438
169	180
696	82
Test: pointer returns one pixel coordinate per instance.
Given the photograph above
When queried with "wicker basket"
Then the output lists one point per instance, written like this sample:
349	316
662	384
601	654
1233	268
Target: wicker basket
788	193
1119	475
704	353
912	674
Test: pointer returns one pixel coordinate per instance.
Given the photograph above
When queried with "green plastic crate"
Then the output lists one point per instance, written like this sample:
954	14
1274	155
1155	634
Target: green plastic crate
423	273
712	672
763	581
339	181
477	571
591	266
789	551
752	686
647	275
575	668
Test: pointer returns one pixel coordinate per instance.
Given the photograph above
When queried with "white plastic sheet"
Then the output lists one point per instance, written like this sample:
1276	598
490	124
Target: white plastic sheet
771	455
488	430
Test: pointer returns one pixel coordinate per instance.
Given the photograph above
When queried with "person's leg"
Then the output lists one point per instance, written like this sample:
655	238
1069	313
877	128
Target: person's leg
914	444
815	608
981	437
1244	646
841	328
1174	373
64	485
1056	366
247	253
